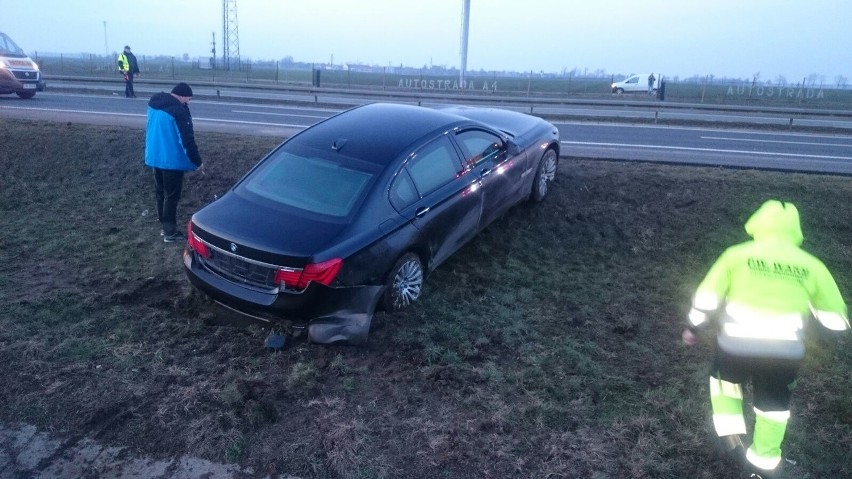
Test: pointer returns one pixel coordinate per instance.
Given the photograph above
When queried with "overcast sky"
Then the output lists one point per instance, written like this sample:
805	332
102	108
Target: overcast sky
724	38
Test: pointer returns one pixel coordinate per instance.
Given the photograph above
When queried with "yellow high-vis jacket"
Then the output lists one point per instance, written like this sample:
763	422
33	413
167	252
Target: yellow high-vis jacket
123	63
764	289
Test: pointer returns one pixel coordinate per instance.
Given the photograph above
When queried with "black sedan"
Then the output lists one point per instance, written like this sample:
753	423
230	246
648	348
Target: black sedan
353	212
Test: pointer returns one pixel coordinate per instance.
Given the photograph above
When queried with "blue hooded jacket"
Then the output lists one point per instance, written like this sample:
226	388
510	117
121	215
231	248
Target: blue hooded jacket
169	138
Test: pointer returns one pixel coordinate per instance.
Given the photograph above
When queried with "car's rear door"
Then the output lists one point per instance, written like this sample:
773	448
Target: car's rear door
434	192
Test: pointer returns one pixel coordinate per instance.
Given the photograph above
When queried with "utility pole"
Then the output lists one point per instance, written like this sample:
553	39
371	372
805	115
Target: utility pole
213	51
231	35
464	30
106	44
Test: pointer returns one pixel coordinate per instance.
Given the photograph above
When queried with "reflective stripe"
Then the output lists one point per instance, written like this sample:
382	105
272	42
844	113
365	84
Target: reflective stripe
737	330
706	301
831	320
728	424
752	323
765	463
719	387
745	313
696	317
778	416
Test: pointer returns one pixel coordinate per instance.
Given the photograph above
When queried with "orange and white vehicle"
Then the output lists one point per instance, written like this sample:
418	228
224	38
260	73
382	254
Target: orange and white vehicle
18	73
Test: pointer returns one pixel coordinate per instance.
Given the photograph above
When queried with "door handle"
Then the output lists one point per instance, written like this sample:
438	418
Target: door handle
421	211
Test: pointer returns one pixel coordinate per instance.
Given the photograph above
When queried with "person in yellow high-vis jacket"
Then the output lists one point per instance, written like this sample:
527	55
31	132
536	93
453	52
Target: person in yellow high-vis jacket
128	67
761	292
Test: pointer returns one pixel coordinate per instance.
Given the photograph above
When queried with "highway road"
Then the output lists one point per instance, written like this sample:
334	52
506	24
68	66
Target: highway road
741	148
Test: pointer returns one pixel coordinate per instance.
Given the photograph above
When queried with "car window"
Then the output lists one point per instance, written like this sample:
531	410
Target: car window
402	192
478	146
310	181
433	166
8	47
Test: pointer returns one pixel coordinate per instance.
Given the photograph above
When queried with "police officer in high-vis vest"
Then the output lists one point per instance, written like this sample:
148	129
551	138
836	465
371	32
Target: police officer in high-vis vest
761	292
128	66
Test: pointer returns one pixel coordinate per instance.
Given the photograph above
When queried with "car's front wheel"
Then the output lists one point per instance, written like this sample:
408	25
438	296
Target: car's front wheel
544	175
405	282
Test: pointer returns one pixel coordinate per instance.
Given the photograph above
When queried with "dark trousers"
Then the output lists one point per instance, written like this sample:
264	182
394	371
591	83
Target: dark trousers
773	380
168	184
128	85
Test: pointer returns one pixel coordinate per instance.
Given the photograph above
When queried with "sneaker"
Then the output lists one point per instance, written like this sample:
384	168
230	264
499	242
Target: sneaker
176	236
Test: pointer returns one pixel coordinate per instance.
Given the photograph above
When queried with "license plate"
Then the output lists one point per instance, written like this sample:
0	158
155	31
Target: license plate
29	86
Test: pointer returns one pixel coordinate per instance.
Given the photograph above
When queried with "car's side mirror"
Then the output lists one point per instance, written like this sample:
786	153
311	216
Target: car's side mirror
512	148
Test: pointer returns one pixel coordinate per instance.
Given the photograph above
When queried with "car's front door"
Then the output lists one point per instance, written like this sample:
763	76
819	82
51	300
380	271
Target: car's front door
500	177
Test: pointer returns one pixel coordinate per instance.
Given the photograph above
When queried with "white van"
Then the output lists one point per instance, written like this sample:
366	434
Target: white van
18	73
637	82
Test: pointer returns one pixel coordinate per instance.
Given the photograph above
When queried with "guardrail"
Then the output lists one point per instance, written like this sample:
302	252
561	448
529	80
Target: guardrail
638	108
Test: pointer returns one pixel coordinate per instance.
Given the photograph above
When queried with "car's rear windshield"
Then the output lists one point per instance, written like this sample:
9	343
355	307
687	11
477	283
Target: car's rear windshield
315	181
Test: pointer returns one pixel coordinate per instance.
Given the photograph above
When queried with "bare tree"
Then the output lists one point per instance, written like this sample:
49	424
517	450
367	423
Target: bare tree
841	81
781	80
812	79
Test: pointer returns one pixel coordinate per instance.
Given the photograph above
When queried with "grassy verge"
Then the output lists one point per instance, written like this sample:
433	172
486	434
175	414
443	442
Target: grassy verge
548	347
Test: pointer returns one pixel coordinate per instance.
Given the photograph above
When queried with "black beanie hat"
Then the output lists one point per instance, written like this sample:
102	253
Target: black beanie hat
182	89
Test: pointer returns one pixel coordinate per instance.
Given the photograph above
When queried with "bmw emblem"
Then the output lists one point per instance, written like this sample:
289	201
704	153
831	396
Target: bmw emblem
233	247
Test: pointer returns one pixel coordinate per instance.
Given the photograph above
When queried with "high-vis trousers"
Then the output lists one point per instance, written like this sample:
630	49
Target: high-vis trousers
773	382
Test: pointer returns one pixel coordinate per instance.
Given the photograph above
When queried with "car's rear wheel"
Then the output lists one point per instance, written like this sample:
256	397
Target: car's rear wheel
405	283
25	94
544	175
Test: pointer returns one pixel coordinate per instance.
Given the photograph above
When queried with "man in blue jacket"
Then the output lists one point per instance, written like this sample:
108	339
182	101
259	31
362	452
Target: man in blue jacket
171	151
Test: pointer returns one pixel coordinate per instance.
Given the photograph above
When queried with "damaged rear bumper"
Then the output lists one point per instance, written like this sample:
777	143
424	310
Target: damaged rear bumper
330	314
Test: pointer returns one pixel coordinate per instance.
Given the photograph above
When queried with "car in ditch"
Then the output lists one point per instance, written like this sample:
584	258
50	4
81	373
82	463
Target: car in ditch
352	213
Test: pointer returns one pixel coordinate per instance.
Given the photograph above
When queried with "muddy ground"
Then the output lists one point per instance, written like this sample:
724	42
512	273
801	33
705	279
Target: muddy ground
548	347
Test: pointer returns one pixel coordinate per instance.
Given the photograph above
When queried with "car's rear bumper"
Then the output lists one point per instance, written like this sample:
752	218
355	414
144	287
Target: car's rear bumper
332	314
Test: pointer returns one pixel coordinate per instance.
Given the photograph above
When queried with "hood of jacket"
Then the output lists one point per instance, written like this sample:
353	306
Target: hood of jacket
163	101
775	220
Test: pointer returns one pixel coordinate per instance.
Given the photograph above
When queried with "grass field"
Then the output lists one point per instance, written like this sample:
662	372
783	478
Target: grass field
547	348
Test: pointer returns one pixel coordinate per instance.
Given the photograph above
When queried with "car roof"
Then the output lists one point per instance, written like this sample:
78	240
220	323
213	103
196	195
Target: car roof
377	132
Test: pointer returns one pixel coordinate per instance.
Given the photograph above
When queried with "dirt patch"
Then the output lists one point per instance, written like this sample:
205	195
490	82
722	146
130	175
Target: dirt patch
25	452
548	347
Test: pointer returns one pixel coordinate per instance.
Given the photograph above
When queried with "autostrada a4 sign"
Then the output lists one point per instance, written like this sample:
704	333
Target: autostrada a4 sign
796	92
444	84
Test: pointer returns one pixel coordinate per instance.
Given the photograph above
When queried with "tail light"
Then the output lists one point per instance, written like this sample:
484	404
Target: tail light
322	273
195	243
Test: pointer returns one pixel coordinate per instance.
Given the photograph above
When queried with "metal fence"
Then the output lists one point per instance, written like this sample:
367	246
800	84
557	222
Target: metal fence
707	89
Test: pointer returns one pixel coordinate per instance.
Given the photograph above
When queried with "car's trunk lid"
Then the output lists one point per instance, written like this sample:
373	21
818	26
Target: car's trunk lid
261	233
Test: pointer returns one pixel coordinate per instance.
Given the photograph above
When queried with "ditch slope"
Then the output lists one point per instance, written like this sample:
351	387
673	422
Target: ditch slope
548	347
